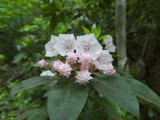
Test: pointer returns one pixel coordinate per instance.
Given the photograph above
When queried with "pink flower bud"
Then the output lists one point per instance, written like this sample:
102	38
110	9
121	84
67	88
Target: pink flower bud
71	57
85	59
83	77
42	63
84	67
56	64
65	69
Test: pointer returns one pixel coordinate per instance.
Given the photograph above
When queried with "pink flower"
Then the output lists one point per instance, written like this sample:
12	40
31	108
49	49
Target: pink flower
56	64
84	67
71	57
83	76
110	70
85	59
42	63
65	69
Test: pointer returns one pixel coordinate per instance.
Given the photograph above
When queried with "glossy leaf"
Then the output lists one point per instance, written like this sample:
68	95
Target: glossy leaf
117	91
66	101
31	83
143	91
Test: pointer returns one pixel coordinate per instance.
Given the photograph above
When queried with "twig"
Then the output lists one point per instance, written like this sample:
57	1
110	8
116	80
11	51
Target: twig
60	58
144	48
21	111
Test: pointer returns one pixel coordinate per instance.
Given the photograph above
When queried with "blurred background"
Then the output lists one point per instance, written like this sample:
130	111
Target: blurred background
26	26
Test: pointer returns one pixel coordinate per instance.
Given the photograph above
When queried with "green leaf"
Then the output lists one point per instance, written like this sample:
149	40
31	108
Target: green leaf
86	30
143	91
104	36
2	57
115	56
85	116
31	83
19	56
34	114
117	91
109	107
66	101
4	100
96	30
35	65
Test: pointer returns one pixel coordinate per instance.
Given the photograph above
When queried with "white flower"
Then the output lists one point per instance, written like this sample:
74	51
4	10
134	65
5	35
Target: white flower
110	70
65	44
83	76
47	73
108	41
88	44
50	49
103	60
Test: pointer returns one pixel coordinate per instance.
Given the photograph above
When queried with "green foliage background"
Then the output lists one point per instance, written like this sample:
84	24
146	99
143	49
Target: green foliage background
25	27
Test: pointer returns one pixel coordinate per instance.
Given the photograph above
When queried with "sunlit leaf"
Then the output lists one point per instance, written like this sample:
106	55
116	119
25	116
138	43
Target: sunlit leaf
96	30
87	31
104	36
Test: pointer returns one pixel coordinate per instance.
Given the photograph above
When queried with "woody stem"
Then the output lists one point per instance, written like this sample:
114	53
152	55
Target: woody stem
60	58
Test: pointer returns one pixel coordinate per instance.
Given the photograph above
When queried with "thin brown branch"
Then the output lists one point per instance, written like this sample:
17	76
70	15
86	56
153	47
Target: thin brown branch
60	58
21	111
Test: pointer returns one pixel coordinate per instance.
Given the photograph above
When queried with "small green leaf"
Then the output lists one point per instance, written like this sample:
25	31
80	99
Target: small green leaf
104	36
86	30
142	91
109	107
117	91
4	100
66	101
19	56
2	57
115	56
35	65
31	83
96	30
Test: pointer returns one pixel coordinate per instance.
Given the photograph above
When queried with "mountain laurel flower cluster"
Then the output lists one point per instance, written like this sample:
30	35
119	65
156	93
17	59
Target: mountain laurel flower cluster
78	58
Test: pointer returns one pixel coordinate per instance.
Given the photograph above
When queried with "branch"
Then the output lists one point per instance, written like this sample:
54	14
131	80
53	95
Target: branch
21	111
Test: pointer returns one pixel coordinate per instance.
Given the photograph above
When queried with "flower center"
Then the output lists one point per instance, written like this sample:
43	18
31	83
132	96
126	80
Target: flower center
68	46
86	48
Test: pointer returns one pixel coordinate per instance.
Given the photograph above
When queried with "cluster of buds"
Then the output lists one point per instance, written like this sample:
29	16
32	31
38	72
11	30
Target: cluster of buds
78	57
